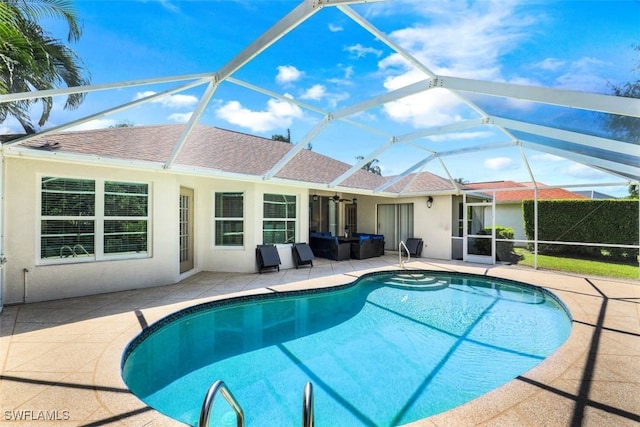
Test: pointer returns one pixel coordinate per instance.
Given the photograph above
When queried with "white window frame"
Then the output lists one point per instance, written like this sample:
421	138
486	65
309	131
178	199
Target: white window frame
98	218
227	219
295	220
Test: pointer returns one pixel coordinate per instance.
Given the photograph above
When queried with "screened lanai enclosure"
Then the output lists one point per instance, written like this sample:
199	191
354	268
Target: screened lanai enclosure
420	116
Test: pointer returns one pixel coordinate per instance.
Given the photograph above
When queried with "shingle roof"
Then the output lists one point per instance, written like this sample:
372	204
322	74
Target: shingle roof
207	147
226	151
514	195
420	183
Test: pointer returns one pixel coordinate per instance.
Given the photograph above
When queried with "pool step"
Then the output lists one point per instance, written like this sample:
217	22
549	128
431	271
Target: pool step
417	281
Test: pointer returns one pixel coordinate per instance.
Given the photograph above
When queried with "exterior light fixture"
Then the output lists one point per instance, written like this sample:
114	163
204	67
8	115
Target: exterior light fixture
315	197
429	201
355	200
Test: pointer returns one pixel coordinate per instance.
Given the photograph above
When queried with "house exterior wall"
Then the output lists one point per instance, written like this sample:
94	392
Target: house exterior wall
28	279
241	259
433	224
26	274
510	215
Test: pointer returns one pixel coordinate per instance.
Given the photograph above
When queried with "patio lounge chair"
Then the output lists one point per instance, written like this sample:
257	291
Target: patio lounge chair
302	254
267	257
414	245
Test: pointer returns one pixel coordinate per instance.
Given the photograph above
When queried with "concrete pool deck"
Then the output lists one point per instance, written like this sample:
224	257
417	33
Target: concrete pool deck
61	359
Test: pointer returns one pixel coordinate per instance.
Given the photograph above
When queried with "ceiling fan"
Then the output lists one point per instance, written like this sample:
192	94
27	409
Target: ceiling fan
337	199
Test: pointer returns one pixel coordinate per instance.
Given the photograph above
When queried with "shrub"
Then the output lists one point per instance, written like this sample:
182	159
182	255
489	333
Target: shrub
504	250
585	221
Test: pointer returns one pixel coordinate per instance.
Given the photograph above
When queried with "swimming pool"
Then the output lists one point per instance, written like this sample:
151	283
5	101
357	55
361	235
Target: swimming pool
388	349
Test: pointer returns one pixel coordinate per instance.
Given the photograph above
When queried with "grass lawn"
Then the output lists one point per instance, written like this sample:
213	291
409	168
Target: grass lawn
575	265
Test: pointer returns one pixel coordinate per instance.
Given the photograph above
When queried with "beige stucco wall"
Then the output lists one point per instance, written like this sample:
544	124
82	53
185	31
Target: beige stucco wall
25	272
27	278
510	215
433	224
240	259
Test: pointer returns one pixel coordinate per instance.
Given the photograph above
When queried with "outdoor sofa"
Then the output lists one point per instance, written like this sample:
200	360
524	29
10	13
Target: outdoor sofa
325	245
367	246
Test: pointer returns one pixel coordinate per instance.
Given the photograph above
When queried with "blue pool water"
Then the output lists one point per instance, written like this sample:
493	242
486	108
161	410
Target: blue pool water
387	350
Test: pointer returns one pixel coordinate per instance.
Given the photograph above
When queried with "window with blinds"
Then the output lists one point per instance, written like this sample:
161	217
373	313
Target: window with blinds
67	225
229	219
82	219
279	219
126	208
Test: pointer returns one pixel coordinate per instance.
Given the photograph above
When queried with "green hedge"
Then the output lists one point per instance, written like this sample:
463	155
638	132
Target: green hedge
504	250
585	221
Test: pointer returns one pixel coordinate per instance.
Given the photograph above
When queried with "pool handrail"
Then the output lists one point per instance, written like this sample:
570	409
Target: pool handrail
308	418
207	404
401	262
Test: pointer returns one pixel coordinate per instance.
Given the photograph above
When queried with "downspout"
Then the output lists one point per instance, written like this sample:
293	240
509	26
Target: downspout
25	272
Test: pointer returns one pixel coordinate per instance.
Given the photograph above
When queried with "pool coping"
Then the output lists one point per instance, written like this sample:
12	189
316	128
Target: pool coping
591	379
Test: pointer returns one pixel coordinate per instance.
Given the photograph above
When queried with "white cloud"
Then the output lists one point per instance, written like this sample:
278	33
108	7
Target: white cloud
545	157
146	93
170	101
584	74
462	136
179	101
346	79
180	117
468	43
288	74
578	170
319	92
499	163
348	72
169	5
335	28
315	92
360	51
334	99
278	115
95	124
430	108
550	64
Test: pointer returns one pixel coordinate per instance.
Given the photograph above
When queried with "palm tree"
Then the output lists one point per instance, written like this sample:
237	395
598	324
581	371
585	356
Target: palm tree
626	128
30	59
371	166
278	137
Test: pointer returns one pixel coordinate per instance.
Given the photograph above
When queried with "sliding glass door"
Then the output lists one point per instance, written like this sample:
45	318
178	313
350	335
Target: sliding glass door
395	222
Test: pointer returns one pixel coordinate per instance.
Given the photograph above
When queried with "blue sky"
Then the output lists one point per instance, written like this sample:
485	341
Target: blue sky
330	62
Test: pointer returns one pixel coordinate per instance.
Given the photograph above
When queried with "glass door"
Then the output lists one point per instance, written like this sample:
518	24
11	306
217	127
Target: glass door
351	219
186	229
395	222
479	239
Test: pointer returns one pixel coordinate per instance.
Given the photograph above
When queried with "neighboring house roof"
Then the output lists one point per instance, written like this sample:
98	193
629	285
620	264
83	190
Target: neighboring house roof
223	150
512	194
